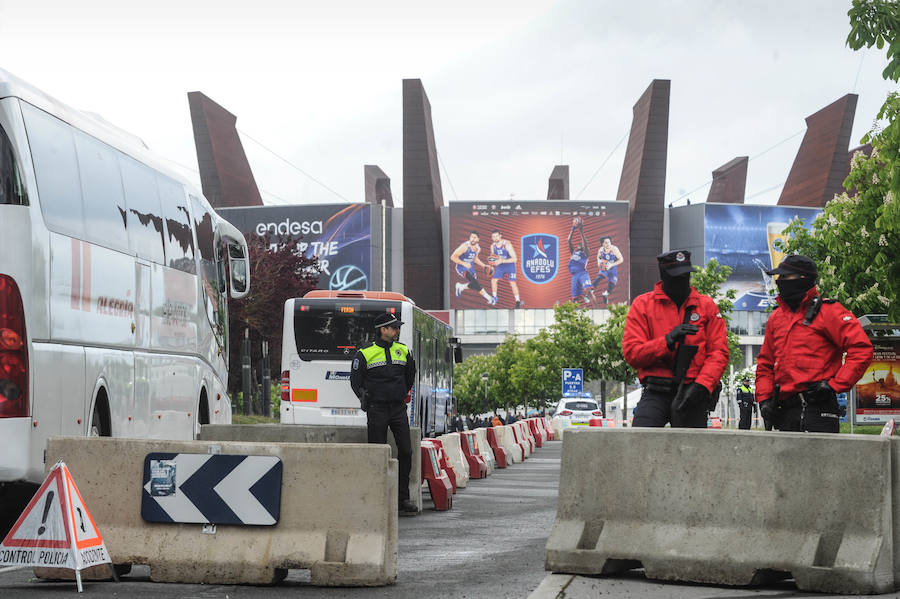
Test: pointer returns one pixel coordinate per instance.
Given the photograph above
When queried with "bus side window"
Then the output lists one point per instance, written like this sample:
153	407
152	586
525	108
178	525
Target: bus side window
56	171
145	230
104	198
179	238
12	190
209	268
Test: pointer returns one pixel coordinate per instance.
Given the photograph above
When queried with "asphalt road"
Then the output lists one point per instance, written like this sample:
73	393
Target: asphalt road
491	544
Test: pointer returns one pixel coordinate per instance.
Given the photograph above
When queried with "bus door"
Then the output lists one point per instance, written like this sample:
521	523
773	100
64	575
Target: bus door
417	404
142	306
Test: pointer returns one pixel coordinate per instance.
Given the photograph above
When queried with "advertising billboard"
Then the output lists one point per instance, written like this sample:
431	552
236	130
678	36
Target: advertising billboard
743	237
339	235
542	253
878	391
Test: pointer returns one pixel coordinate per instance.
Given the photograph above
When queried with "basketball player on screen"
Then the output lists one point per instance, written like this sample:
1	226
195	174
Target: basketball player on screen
503	259
464	258
581	280
608	260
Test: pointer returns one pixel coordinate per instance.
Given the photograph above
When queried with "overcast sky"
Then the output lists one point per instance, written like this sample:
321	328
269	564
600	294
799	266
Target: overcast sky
516	86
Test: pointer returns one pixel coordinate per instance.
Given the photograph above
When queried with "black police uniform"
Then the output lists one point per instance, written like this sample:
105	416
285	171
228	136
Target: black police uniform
382	382
745	401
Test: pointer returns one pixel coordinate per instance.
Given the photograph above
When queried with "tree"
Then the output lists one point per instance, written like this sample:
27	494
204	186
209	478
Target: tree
574	337
855	240
468	386
277	272
611	361
709	281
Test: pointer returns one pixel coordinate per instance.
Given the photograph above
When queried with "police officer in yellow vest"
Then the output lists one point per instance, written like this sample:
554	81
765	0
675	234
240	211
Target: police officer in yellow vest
381	376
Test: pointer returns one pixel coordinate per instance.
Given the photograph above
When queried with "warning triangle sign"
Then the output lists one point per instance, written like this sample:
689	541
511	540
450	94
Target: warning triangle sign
56	529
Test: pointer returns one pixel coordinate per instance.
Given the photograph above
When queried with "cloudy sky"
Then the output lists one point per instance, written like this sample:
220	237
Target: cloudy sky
516	86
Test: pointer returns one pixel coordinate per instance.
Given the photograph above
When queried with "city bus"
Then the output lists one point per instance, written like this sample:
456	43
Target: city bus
323	331
114	279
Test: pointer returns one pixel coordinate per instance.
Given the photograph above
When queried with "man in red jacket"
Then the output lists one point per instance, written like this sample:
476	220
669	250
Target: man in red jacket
658	324
800	368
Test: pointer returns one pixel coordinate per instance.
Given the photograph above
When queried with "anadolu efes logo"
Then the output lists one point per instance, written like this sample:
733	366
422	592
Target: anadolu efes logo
540	257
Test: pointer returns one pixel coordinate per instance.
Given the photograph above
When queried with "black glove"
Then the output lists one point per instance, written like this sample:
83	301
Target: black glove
679	333
690	395
713	400
821	393
768	409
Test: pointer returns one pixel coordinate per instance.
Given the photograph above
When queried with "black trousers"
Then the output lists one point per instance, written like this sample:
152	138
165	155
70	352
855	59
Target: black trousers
793	416
655	410
384	415
746	412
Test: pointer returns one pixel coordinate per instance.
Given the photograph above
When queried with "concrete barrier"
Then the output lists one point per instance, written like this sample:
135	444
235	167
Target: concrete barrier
302	433
338	514
813	506
454	453
506	436
484	450
558	427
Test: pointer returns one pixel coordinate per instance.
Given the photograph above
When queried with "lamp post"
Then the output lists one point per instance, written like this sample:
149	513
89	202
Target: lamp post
484	377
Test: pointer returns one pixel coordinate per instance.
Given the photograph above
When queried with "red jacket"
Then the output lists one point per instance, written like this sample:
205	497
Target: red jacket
653	315
794	355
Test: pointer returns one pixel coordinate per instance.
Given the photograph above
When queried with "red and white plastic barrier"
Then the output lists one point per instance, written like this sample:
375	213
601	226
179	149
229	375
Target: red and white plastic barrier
438	480
500	454
477	467
444	461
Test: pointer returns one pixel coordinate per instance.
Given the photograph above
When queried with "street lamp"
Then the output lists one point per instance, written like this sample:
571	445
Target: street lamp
484	377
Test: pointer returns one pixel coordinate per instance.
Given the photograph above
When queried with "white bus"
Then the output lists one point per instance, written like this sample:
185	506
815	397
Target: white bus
113	310
322	332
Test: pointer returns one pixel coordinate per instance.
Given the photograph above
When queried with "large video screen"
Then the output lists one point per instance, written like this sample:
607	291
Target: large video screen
339	235
743	237
546	252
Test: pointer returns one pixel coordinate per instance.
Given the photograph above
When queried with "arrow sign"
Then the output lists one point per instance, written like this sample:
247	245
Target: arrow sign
211	489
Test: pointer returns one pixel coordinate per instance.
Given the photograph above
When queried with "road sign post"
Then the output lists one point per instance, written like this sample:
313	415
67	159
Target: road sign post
572	381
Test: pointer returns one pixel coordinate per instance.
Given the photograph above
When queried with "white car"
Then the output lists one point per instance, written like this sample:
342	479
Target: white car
577	411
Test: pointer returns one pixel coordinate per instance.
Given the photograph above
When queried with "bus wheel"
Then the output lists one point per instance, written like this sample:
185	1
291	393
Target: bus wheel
100	419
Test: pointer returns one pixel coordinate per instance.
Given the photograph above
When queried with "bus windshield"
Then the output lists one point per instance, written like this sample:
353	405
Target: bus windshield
335	330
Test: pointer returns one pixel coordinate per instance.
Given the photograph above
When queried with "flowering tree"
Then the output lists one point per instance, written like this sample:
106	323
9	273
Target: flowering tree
856	239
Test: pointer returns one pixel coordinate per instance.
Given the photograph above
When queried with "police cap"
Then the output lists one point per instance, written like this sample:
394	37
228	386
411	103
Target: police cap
387	320
796	264
676	262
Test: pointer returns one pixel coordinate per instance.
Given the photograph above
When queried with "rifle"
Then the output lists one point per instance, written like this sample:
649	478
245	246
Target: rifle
684	355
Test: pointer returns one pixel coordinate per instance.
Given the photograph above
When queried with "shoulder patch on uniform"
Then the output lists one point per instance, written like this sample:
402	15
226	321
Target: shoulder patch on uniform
695	317
846	318
355	363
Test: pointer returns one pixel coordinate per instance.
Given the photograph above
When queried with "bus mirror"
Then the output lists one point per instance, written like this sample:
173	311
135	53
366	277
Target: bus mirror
240	271
457	354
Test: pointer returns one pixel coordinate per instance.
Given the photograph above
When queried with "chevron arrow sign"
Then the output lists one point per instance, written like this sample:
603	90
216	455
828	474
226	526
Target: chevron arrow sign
211	489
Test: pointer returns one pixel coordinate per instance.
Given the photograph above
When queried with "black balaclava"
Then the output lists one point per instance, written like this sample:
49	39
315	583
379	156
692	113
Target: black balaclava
792	291
678	288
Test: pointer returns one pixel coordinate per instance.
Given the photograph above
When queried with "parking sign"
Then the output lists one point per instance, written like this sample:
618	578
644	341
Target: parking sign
572	381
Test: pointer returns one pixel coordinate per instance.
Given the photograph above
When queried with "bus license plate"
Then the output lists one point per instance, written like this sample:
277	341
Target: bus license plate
343	411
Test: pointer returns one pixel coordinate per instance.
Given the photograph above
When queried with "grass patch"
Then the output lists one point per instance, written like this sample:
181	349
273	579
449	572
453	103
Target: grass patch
253	419
862	430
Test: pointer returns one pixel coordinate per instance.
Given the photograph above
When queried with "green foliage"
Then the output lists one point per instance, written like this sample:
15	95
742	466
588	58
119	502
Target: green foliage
876	23
611	359
709	281
855	240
